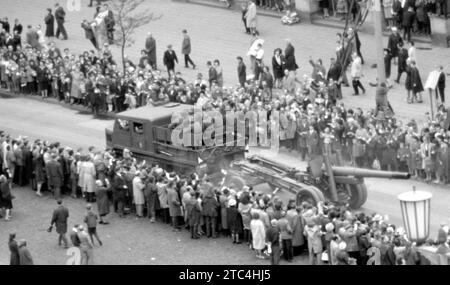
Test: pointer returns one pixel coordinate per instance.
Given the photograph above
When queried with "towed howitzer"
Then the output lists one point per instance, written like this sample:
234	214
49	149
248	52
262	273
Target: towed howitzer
339	184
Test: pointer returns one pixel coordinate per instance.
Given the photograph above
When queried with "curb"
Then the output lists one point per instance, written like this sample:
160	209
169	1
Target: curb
6	94
315	19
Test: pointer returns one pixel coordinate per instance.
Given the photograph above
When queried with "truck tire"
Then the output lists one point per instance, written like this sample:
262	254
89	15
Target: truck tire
358	195
237	182
312	196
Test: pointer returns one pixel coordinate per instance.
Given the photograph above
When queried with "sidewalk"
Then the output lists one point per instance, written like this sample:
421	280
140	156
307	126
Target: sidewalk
219	35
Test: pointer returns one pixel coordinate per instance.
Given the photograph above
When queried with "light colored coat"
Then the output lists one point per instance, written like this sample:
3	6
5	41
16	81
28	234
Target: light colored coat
356	69
87	177
138	191
258	234
250	16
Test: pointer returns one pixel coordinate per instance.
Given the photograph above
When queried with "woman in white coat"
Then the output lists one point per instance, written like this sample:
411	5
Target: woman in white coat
87	179
138	193
356	72
258	235
250	17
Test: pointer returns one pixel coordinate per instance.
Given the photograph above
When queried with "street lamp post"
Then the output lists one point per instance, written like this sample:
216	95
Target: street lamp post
416	206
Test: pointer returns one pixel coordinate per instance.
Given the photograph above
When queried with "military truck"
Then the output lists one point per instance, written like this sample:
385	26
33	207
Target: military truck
147	133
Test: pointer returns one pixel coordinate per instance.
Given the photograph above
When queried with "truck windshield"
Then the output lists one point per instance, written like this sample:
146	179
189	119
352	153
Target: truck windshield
123	124
138	128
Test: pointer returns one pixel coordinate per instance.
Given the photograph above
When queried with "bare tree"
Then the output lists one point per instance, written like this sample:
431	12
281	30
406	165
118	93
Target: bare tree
128	20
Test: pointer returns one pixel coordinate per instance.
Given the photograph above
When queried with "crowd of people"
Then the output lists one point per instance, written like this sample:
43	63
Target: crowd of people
313	121
330	234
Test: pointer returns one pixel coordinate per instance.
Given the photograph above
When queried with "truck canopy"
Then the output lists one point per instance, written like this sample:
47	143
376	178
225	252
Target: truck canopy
160	115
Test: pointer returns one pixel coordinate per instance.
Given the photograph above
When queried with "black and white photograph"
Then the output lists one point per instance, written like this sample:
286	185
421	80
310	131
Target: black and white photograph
236	134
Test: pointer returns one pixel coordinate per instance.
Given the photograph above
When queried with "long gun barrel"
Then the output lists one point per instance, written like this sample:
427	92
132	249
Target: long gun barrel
357	172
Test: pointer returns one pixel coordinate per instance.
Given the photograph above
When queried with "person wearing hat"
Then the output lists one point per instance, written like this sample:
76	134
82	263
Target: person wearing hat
241	71
59	219
150	47
91	222
169	59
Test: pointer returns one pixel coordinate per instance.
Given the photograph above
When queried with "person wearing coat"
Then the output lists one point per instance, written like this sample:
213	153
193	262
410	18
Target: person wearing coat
209	206
394	40
163	199
250	17
24	254
5	197
60	15
315	247
169	60
289	56
173	199
278	63
297	226
150	47
186	50
49	24
14	250
194	213
55	176
32	38
151	197
416	82
89	33
356	72
138	193
119	186
59	219
87	179
242	72
258	235
223	200
102	201
402	61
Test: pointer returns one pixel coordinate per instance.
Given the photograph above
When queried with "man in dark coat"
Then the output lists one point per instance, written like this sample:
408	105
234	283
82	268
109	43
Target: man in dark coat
408	19
441	84
242	71
289	56
32	37
5	24
60	15
119	186
109	23
59	219
24	254
209	207
49	24
55	176
212	73
186	50
335	73
416	83
89	33
169	60
17	27
150	47
402	58
394	40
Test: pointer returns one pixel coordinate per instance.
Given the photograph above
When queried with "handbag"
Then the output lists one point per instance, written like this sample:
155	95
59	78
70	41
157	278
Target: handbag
324	256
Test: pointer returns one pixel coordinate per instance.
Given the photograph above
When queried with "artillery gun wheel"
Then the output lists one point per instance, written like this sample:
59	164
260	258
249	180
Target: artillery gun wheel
358	195
237	181
311	196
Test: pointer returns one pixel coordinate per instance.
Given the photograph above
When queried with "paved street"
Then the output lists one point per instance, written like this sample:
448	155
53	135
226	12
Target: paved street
215	33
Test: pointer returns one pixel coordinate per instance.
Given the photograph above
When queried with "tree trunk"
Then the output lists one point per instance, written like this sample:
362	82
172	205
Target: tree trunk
123	56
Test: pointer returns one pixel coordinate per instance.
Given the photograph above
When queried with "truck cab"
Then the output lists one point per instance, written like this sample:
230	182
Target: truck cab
147	133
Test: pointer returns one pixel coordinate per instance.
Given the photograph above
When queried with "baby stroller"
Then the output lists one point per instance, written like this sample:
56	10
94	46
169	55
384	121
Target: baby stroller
290	18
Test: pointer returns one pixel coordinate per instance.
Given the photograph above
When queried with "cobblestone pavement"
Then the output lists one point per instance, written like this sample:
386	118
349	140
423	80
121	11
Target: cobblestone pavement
218	34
